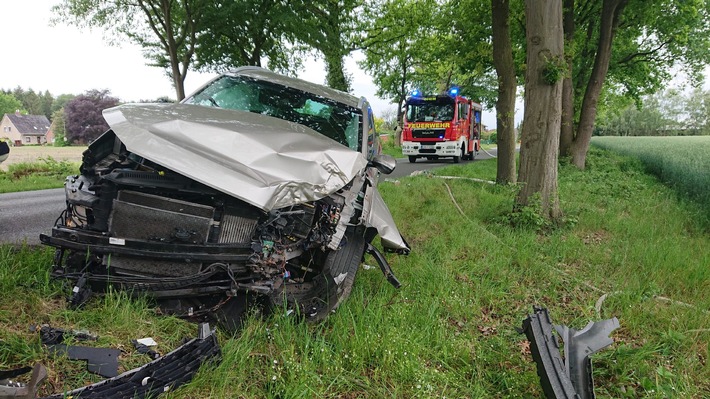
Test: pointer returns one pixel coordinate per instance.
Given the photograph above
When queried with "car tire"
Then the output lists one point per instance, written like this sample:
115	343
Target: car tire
344	263
412	159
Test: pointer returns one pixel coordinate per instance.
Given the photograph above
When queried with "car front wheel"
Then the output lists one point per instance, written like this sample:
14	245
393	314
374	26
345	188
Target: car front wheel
344	263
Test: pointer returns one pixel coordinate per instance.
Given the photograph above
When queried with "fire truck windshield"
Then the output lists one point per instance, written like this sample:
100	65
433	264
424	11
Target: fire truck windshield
430	112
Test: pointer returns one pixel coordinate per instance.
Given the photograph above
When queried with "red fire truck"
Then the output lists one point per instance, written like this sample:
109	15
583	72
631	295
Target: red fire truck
445	125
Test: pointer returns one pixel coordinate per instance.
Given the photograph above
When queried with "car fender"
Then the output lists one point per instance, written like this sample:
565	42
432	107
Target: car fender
381	219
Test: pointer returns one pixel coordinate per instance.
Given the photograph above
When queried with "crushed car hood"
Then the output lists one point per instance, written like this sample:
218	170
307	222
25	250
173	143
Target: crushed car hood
264	161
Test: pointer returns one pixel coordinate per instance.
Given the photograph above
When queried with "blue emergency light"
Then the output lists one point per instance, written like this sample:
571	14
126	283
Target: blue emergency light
454	91
416	93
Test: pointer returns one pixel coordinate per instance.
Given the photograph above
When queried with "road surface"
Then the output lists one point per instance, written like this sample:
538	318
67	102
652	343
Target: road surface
24	215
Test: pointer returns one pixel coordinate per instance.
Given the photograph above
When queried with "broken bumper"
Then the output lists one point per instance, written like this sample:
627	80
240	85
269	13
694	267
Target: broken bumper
571	377
160	375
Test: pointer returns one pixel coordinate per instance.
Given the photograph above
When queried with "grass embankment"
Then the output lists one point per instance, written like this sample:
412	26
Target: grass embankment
450	330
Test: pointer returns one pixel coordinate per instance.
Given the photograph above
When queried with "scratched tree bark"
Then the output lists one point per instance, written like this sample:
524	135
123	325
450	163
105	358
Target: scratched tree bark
543	107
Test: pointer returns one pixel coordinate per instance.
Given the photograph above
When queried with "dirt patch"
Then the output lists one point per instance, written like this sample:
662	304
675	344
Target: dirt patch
34	153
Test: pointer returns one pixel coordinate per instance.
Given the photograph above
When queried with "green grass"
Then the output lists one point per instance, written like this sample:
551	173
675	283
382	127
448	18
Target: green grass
450	331
42	174
681	162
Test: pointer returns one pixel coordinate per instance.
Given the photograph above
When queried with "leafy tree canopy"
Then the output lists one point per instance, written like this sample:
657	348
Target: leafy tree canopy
84	121
9	104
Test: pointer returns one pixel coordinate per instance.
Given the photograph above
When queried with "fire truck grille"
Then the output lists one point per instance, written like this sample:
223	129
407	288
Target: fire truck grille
428	133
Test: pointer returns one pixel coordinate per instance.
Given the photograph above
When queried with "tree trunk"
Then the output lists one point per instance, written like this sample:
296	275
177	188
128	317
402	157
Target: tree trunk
505	105
543	108
567	128
611	10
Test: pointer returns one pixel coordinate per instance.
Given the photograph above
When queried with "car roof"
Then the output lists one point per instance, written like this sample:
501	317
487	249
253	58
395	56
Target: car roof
319	90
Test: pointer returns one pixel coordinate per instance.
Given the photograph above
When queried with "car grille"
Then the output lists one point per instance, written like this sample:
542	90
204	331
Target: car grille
148	217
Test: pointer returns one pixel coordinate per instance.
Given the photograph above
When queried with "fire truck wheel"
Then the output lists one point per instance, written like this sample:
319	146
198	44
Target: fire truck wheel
458	159
412	159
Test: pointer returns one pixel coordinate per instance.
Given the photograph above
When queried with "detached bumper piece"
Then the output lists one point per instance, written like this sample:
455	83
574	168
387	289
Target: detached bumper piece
571	377
158	376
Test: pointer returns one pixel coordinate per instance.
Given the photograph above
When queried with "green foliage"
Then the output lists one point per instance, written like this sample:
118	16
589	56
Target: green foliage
667	113
654	39
42	174
555	69
59	129
389	146
9	104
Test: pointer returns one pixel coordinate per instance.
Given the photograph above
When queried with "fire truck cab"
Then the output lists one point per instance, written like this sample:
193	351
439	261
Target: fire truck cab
444	125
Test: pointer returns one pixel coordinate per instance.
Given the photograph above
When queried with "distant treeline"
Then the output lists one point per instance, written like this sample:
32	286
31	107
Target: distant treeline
669	113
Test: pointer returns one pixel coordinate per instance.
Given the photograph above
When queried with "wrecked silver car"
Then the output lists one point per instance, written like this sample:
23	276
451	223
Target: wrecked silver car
258	189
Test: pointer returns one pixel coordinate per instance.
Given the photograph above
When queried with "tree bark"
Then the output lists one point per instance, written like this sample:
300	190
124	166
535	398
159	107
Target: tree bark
543	108
611	10
567	128
505	105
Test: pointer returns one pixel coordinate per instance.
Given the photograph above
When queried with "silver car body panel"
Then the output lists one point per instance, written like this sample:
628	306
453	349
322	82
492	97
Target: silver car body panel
381	219
267	162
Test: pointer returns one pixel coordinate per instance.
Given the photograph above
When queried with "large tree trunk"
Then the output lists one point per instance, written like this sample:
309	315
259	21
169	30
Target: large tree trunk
611	10
567	128
505	105
543	108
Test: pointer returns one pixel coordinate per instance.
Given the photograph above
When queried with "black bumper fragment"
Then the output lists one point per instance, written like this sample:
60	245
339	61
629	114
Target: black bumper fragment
158	376
572	377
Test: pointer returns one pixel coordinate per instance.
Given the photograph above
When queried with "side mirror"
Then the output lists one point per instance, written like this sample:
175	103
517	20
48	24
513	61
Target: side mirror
384	163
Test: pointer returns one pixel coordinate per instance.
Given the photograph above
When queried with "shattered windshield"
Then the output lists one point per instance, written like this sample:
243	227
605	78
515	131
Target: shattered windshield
329	118
430	112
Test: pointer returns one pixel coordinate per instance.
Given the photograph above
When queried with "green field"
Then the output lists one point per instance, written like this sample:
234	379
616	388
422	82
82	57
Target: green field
450	331
681	162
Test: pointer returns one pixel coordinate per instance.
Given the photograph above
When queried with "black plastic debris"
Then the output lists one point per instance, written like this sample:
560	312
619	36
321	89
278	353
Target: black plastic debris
102	361
570	377
145	349
161	375
53	336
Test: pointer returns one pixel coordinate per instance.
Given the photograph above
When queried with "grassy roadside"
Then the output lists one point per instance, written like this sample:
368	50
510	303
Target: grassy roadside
37	175
469	282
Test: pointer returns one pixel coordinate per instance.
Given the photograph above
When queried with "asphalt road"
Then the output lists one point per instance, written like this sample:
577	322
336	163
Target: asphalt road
404	168
24	215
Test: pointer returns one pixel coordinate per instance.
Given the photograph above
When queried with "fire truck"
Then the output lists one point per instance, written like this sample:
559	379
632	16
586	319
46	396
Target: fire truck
439	126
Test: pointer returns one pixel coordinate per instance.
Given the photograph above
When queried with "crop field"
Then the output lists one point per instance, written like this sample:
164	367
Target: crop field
681	162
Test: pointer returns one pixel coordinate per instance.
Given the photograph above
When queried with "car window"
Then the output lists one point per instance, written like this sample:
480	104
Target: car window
332	119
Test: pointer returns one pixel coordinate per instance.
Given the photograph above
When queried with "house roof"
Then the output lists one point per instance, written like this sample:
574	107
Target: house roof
36	125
